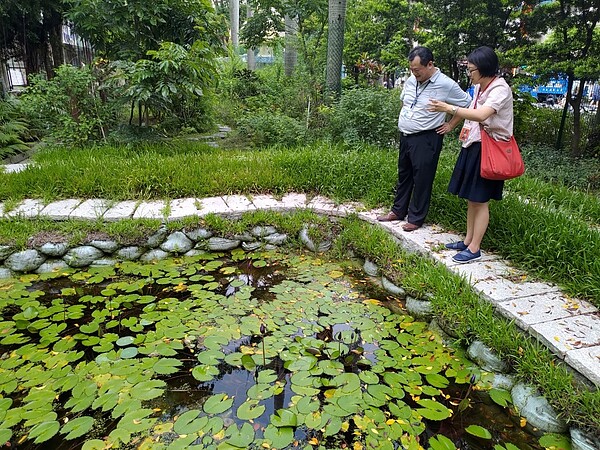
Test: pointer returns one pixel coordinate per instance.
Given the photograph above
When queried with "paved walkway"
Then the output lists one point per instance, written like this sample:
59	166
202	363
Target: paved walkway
569	327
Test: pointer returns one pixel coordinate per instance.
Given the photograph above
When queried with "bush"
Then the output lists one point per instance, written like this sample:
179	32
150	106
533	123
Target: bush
269	128
12	130
367	115
69	108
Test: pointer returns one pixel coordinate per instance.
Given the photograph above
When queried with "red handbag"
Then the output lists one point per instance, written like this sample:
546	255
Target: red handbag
500	160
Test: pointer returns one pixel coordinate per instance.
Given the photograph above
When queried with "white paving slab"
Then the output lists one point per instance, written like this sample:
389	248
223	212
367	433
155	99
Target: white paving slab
150	210
294	200
1	209
568	334
122	210
321	205
61	209
527	311
14	168
265	202
91	209
213	205
587	362
184	207
27	208
239	203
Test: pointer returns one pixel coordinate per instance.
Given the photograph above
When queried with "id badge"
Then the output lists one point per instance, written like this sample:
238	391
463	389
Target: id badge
464	134
406	113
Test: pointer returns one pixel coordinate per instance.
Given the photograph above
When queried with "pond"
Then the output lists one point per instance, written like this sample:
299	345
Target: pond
232	351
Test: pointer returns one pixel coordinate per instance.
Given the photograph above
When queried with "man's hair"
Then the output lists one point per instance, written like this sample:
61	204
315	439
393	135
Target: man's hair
486	61
423	53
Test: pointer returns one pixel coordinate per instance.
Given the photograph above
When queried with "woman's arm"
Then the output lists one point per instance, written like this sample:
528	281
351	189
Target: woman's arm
476	115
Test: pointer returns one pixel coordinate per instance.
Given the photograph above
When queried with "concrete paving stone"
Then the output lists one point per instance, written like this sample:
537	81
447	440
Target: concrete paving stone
184	207
265	202
293	201
1	209
14	168
91	209
213	205
150	210
371	216
350	208
61	209
586	361
239	203
570	333
543	308
122	210
27	208
321	205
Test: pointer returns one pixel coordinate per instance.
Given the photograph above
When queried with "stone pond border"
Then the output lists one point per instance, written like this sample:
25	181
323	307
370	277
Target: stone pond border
569	327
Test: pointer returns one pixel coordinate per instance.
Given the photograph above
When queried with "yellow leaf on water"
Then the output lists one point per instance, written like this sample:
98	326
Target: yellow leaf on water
523	422
371	301
313	441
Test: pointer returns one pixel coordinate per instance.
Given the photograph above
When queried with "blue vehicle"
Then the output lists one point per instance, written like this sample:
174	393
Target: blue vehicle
555	88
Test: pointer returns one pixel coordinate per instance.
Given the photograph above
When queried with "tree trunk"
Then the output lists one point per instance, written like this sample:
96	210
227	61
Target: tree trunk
235	23
335	45
291	53
250	57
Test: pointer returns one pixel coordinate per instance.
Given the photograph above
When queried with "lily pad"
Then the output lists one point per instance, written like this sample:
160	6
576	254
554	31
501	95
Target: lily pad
217	404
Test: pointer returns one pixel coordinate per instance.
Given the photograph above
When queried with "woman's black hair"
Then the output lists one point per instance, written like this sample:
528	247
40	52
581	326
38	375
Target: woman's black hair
486	61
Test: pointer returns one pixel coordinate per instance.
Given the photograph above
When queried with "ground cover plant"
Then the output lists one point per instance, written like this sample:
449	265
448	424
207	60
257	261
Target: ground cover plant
258	350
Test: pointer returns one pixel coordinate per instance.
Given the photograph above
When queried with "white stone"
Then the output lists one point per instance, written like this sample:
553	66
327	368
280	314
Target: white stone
213	205
293	201
60	210
122	210
184	207
14	168
238	203
321	205
27	208
90	209
587	362
526	311
570	333
1	209
265	202
150	210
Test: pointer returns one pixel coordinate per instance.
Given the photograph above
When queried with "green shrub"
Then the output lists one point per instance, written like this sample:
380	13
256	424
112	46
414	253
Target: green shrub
366	115
12	130
70	108
269	128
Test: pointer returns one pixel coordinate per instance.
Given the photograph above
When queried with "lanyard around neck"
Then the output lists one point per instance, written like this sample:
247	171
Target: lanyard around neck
418	93
481	92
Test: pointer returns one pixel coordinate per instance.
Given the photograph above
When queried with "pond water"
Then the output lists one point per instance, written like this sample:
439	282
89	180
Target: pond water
236	351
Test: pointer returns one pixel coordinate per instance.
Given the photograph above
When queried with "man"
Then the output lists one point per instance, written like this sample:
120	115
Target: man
420	139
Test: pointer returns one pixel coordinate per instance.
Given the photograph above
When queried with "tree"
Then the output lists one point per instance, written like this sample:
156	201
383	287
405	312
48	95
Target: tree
126	30
32	31
570	49
335	45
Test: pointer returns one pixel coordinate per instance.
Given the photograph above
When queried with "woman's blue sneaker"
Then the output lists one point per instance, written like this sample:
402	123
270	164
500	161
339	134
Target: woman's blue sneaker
466	256
460	245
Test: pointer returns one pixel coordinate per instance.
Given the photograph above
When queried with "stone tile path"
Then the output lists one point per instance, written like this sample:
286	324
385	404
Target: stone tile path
569	327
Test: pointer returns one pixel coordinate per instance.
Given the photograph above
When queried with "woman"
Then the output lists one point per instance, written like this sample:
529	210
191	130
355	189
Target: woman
492	109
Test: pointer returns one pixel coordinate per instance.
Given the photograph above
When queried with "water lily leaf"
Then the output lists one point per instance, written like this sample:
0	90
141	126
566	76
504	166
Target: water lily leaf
234	359
478	431
44	431
166	366
205	373
248	362
77	427
190	422
242	437
125	341
348	382
368	377
302	363
500	396
284	418
89	328
267	376
307	405
211	357
5	435
94	444
217	404
555	441
279	437
433	410
333	427
137	421
250	410
437	380
441	442
147	390
350	404
5	404
129	352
